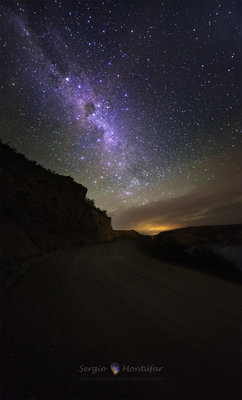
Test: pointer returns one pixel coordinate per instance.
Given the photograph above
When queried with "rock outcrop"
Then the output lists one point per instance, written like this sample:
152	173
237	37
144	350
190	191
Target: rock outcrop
43	212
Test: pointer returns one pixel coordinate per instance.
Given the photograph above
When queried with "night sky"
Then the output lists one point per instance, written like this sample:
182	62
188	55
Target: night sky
137	100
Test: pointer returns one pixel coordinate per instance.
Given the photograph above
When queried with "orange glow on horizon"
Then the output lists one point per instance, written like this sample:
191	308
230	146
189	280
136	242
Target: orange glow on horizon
150	229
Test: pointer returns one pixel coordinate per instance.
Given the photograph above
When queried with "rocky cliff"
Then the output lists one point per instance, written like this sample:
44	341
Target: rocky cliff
43	212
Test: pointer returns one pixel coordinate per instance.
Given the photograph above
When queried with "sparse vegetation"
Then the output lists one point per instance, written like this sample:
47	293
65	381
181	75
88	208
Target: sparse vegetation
91	203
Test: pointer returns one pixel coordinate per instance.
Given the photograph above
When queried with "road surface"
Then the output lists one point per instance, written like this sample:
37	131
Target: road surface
92	306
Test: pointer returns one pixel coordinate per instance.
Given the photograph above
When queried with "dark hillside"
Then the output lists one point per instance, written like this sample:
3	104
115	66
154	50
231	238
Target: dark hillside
198	235
43	212
208	248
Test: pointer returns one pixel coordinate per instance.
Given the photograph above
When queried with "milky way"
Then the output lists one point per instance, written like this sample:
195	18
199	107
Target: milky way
131	98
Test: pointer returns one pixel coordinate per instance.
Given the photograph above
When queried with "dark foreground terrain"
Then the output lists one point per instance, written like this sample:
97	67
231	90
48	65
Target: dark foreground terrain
95	305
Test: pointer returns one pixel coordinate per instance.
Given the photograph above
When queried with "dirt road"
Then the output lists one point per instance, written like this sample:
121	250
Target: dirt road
92	306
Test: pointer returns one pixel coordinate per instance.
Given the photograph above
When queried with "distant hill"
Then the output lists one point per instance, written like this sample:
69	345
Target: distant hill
127	234
199	235
42	211
212	249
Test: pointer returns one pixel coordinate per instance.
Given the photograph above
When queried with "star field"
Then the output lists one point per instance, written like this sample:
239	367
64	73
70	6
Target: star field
137	100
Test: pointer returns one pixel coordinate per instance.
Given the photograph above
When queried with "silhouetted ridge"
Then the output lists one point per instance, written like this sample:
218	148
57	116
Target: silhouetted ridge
42	211
198	235
208	248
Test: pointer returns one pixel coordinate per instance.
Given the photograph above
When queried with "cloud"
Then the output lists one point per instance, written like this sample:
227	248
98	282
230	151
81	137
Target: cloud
215	203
